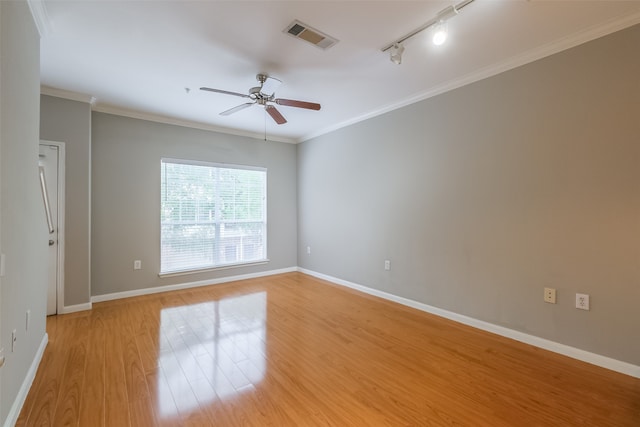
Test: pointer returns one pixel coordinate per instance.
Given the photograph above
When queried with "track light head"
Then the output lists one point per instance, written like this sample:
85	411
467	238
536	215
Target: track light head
439	33
396	53
440	30
448	12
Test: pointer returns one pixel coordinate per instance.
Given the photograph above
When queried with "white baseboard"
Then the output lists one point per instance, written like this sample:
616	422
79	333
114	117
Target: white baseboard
575	353
73	308
167	288
14	412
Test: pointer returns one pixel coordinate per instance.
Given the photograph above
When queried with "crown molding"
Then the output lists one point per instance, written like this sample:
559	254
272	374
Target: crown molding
573	40
40	17
118	111
67	94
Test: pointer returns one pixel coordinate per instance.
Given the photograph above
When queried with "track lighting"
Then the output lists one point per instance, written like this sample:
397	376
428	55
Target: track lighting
439	25
396	53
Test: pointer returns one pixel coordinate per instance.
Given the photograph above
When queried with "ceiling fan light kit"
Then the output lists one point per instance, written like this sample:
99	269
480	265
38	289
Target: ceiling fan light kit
265	95
439	36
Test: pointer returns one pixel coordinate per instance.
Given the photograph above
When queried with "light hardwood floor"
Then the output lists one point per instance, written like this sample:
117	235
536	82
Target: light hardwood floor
292	350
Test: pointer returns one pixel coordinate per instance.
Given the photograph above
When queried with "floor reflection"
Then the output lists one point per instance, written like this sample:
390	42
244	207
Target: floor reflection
210	351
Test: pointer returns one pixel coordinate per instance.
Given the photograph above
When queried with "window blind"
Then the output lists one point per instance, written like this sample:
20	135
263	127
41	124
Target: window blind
211	215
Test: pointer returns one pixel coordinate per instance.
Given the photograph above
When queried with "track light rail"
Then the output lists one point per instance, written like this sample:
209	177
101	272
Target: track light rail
443	15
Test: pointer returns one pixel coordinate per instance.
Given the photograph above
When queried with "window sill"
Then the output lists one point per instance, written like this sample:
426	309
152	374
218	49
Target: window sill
205	270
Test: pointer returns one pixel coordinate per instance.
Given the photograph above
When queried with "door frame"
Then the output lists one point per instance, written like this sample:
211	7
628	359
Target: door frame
61	216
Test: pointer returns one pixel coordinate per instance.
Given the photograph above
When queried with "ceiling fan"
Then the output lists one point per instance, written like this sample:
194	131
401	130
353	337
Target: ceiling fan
265	95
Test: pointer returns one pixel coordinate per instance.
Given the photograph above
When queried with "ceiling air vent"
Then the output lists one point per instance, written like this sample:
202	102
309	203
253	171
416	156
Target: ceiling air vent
302	31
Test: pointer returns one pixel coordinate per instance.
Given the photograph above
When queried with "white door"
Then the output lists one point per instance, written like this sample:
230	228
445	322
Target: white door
49	161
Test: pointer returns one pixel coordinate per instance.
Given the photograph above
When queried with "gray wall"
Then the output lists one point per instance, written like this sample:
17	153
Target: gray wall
67	121
482	196
22	223
126	157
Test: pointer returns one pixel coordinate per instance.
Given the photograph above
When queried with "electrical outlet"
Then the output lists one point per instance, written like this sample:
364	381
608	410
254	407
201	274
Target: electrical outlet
137	264
28	320
387	264
550	295
14	338
308	250
582	301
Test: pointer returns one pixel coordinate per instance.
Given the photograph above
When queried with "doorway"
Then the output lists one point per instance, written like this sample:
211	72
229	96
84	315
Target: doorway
51	168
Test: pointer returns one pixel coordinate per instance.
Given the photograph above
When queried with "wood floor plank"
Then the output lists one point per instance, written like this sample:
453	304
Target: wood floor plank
68	406
142	413
165	409
51	372
93	390
116	402
134	372
148	349
293	350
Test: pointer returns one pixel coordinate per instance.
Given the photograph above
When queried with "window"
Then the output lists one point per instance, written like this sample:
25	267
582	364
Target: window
211	215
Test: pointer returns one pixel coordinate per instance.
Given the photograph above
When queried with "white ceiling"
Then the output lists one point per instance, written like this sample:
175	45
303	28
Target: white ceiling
137	57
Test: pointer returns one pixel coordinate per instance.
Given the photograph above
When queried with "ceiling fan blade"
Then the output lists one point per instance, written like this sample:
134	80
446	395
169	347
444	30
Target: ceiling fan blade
270	85
226	92
275	114
299	104
236	109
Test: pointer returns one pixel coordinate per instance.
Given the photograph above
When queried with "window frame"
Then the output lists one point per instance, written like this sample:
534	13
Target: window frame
196	270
